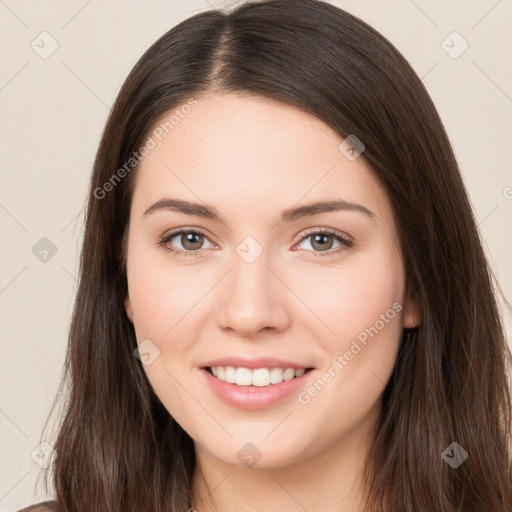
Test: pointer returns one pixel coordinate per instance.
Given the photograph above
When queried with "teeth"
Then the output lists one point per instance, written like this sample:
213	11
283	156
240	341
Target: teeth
260	377
243	377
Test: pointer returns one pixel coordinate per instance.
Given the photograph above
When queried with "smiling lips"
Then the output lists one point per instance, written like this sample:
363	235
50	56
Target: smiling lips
254	383
260	377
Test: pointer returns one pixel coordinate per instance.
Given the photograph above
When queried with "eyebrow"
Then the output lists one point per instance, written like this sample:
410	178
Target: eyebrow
287	215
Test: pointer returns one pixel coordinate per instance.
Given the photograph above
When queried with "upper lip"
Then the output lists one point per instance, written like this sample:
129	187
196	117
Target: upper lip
254	363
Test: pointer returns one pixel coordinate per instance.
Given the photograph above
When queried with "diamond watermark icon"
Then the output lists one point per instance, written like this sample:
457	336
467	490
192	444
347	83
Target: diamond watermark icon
147	352
44	250
351	147
249	454
454	45
454	455
249	249
44	45
43	454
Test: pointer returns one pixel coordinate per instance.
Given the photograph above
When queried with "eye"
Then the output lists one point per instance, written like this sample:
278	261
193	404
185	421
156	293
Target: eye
322	241
190	240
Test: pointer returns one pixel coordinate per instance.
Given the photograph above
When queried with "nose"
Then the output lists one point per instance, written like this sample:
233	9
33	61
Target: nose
253	299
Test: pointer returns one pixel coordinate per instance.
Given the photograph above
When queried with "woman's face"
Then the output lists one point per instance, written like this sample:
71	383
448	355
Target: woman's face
263	282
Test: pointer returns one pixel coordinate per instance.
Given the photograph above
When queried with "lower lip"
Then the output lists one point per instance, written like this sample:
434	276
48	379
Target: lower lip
254	397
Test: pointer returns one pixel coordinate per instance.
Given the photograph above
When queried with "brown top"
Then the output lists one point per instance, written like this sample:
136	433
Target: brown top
44	506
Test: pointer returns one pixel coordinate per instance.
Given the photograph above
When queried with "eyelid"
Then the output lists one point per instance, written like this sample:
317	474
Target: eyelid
329	231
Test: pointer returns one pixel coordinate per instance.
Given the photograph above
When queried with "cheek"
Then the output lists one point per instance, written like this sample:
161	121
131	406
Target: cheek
361	303
163	296
353	295
163	299
360	356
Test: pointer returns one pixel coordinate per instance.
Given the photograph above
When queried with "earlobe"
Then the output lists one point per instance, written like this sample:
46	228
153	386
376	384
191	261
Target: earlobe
128	308
412	317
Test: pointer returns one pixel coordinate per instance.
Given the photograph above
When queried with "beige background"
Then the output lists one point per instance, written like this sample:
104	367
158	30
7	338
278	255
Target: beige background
52	114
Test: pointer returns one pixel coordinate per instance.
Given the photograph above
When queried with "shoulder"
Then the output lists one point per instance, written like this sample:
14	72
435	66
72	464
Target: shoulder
44	506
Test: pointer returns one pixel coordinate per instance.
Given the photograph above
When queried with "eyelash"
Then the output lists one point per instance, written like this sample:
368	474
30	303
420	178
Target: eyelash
345	242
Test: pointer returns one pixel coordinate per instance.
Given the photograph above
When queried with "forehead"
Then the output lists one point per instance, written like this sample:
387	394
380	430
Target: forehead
249	154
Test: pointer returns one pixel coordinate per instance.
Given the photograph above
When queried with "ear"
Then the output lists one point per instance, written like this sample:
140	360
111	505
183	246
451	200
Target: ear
412	316
128	308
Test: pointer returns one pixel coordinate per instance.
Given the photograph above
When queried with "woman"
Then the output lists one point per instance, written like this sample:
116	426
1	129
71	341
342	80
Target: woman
284	302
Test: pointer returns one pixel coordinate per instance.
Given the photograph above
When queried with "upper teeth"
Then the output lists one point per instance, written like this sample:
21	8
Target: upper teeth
259	377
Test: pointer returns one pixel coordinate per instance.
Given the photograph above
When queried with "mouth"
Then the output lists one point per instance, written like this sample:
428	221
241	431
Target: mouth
255	382
257	377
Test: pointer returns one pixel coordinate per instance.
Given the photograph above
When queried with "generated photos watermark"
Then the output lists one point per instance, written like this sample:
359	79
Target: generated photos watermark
152	141
342	360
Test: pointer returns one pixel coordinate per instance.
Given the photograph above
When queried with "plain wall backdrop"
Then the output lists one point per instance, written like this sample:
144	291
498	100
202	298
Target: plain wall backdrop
63	63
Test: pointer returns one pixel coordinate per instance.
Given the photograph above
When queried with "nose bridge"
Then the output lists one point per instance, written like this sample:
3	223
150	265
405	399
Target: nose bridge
253	297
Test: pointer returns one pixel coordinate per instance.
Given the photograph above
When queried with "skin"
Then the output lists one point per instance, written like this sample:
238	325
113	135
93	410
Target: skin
251	157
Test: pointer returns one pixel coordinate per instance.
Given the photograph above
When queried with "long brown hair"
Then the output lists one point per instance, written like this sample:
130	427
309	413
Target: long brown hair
118	449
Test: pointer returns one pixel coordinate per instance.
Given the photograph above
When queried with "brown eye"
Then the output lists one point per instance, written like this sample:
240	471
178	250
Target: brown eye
191	242
322	242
